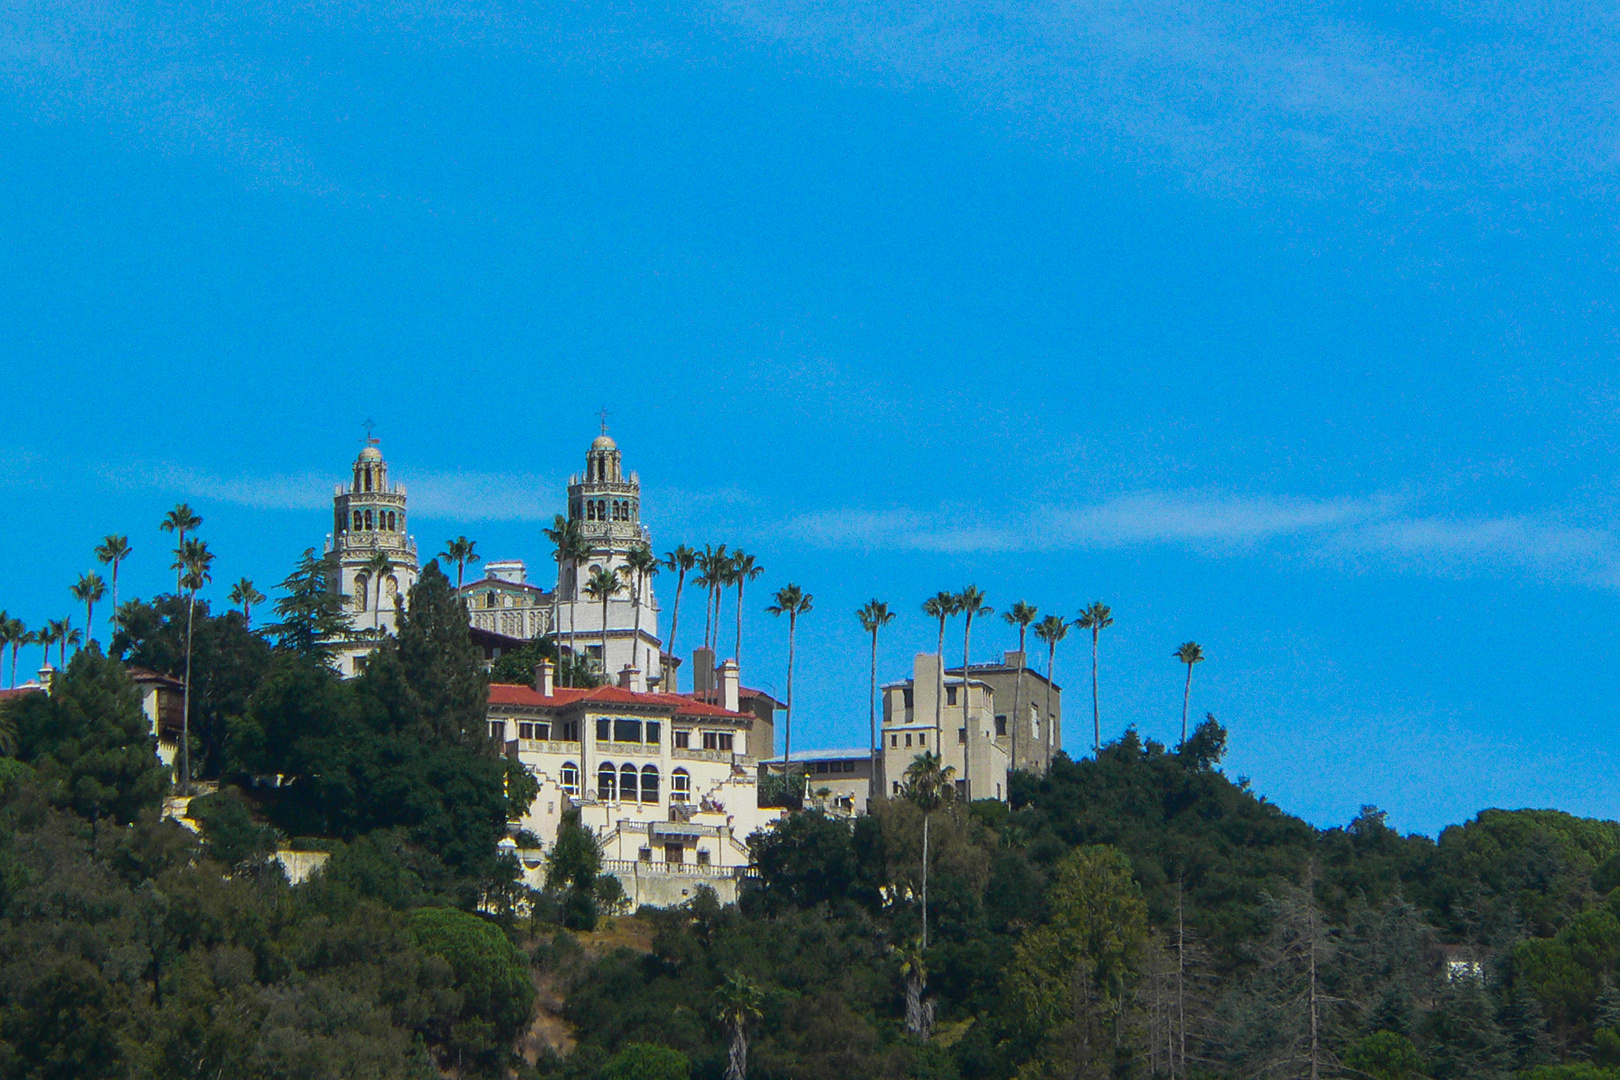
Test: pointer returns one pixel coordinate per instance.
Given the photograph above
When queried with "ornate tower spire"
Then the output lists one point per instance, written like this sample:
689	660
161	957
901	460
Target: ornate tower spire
368	530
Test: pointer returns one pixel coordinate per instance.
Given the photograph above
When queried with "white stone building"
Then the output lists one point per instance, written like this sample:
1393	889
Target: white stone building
668	783
368	519
607	505
912	725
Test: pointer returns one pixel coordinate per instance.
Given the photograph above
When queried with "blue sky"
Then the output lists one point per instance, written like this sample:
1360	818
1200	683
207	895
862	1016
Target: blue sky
1285	327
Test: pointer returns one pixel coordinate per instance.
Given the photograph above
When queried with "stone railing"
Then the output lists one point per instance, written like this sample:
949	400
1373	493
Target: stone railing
631	866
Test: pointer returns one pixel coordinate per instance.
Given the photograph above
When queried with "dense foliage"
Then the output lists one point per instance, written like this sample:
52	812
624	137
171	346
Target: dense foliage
1137	915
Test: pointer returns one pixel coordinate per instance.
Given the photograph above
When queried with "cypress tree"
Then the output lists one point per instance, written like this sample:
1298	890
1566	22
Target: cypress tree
441	663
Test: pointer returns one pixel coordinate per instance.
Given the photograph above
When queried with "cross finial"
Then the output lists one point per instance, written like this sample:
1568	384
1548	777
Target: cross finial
604	415
369	425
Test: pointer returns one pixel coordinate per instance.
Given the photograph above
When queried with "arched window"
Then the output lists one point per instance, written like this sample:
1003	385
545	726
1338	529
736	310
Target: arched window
370	521
680	786
627	783
368	478
606	778
570	778
362	590
357	521
391	521
601	509
590	511
649	783
489	598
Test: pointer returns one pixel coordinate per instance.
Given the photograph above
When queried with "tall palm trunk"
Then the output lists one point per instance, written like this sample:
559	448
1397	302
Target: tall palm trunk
737	1054
871	723
1046	735
674	624
376	611
635	642
738	654
939	695
1018	691
606	679
185	708
573	622
926	816
1186	696
1096	710
15	645
967	726
787	726
89	619
112	620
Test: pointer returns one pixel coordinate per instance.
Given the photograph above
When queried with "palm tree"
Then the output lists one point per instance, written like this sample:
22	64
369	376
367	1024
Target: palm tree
461	552
46	636
378	566
737	1004
942	605
1095	618
791	601
245	594
927	786
914	971
111	551
1051	630
570	548
643	565
714	569
9	629
680	561
969	602
1019	615
87	590
181	520
1189	653
604	585
744	568
197	559
71	635
874	616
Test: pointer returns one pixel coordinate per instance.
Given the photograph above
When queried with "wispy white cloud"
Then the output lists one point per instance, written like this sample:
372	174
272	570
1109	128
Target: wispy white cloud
1236	93
1363	533
1123	521
462	496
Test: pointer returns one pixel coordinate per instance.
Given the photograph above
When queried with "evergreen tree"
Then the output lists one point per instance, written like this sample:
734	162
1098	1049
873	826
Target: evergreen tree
311	612
441	664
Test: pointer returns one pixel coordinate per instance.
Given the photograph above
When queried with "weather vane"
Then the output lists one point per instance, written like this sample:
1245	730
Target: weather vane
604	415
369	425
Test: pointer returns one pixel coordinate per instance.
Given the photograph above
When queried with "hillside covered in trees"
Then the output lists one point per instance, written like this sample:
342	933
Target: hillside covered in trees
1138	915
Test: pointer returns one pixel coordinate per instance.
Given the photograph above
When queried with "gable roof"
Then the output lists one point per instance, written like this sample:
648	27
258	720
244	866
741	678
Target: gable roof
562	698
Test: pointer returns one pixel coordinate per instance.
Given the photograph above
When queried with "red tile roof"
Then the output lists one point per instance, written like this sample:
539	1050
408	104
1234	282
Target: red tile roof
678	704
144	675
20	692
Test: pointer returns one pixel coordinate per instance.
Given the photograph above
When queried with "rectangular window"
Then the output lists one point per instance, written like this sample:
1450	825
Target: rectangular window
542	731
906	694
950	695
644	855
570	731
627	731
922	738
703	856
894	740
604	730
683	738
654	730
821	767
497	730
717	740
961	736
525	731
908	740
1001	725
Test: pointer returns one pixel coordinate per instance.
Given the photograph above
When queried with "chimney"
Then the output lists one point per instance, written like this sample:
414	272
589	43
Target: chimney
702	670
730	683
630	679
543	682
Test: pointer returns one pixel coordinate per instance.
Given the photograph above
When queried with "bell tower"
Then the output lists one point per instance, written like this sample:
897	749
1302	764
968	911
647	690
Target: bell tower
375	554
605	501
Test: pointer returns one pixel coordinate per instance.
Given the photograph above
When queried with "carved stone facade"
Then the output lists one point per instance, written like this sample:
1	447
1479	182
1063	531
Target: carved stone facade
374	553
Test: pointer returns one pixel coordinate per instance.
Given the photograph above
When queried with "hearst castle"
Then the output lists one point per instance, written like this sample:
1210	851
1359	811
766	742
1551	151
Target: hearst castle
668	781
